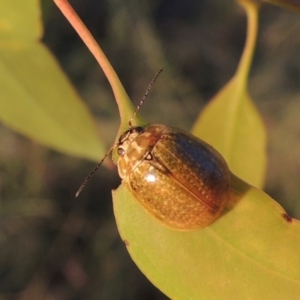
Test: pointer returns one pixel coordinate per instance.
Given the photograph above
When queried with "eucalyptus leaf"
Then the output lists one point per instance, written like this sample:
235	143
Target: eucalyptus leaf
37	100
248	253
232	125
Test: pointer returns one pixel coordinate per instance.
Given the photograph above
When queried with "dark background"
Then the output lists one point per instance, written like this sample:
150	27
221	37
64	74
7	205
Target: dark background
55	247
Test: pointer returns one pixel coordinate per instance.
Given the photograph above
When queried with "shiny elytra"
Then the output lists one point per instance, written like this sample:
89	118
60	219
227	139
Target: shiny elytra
179	179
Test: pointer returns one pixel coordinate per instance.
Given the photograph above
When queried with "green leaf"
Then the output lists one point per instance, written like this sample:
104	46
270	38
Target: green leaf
231	123
248	253
37	100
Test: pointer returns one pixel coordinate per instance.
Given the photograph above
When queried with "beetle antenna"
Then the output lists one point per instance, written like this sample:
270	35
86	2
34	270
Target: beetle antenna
144	97
85	181
114	145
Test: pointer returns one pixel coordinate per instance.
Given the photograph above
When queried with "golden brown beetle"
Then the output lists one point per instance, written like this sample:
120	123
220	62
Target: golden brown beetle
179	179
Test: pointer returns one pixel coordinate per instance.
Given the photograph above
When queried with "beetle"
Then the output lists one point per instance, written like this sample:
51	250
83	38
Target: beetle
179	179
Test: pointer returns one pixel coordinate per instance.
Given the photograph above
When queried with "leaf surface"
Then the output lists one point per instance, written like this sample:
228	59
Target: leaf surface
37	100
248	253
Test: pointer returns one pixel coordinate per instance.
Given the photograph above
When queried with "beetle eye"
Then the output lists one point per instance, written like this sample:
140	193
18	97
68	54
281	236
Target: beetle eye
139	129
121	151
123	136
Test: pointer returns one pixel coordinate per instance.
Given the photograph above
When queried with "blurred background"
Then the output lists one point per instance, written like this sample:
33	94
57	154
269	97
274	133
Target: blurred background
53	246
